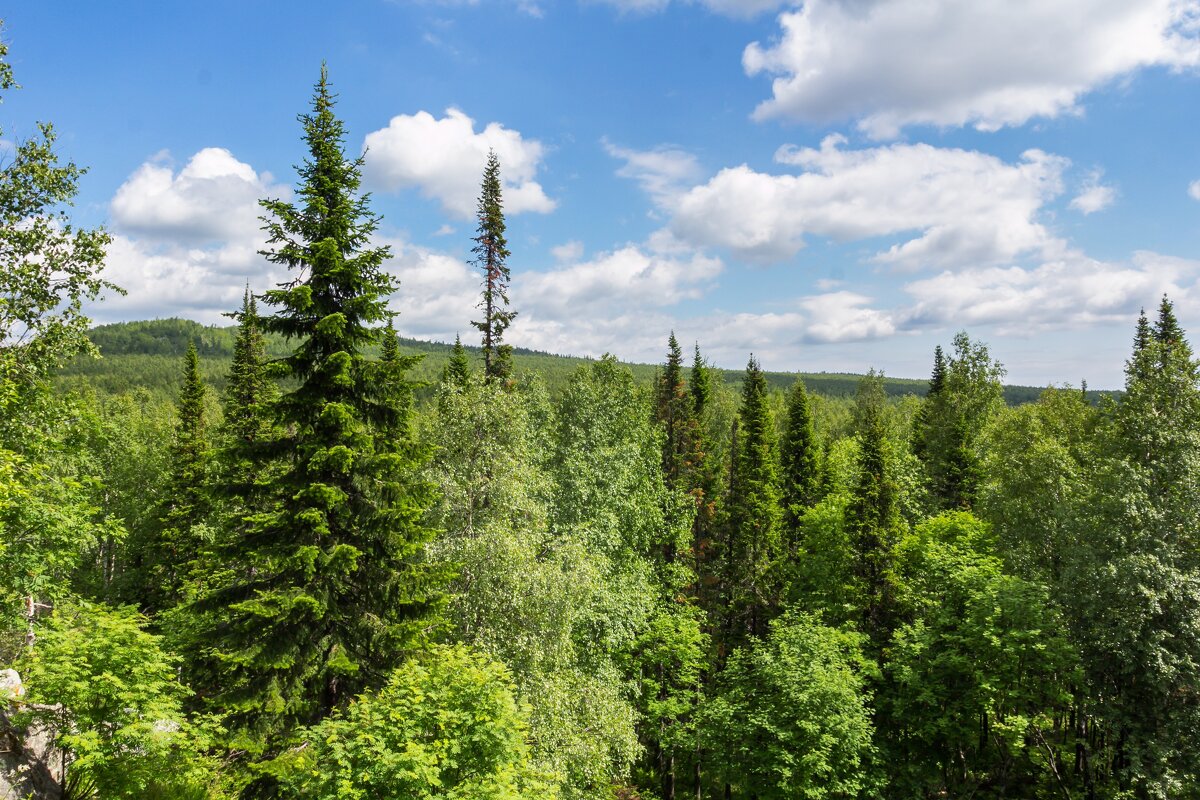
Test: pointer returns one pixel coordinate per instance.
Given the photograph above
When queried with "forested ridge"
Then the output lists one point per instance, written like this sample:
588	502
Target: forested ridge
309	580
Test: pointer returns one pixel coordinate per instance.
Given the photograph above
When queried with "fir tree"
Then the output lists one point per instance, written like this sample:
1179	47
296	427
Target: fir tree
491	254
700	383
167	559
458	369
1166	328
799	456
675	413
752	540
929	406
249	387
327	588
872	516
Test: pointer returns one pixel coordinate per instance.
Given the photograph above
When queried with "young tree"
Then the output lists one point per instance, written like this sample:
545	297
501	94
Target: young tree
326	589
249	387
700	383
458	369
491	254
674	410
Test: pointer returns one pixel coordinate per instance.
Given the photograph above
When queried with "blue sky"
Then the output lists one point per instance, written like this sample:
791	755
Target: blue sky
833	185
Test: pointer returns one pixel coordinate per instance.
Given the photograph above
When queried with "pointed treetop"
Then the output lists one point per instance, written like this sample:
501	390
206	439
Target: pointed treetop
701	382
458	368
1166	327
937	381
1141	336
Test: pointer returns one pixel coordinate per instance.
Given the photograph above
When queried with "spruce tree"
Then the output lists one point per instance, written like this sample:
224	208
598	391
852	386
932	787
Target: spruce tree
249	386
674	412
799	456
491	254
167	558
752	539
327	588
872	517
458	369
700	383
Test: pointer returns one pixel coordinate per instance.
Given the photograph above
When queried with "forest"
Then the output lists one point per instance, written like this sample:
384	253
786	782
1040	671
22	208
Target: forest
308	564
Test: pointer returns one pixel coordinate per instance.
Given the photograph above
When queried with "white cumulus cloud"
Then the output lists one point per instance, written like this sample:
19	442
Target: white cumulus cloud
214	196
965	207
444	158
664	173
1093	195
986	63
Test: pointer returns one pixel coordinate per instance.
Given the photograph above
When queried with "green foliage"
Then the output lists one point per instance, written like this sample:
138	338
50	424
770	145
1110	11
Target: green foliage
491	256
965	392
326	588
872	515
979	677
790	717
445	726
799	454
458	369
752	542
107	692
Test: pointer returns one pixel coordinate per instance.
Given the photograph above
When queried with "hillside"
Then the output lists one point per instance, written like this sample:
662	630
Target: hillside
146	354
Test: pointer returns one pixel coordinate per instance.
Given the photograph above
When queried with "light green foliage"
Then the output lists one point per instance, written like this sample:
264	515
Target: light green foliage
525	595
800	456
1036	464
979	678
48	270
446	726
107	691
790	717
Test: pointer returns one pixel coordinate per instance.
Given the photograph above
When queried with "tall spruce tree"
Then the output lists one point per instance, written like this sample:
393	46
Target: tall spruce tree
674	412
700	383
800	458
491	256
752	539
167	558
327	588
872	516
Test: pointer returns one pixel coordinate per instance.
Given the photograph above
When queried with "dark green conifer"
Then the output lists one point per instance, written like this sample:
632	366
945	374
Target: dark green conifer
673	410
1166	327
167	558
249	387
700	383
327	588
752	540
458	368
800	459
872	517
491	255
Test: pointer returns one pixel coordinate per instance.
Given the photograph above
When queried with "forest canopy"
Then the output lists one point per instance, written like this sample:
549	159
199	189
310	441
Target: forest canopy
302	557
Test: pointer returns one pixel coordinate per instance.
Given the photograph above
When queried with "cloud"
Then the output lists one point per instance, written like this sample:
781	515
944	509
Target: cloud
632	276
664	173
986	63
444	158
1093	196
966	207
1071	292
568	251
1194	190
843	317
214	196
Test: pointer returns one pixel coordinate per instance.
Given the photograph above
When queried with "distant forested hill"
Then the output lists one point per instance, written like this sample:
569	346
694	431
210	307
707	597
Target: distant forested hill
147	354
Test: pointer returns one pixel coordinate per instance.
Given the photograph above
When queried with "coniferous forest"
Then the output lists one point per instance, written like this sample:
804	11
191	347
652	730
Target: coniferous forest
324	573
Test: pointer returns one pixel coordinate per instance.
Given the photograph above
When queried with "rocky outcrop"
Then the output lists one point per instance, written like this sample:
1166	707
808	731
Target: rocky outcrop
30	766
